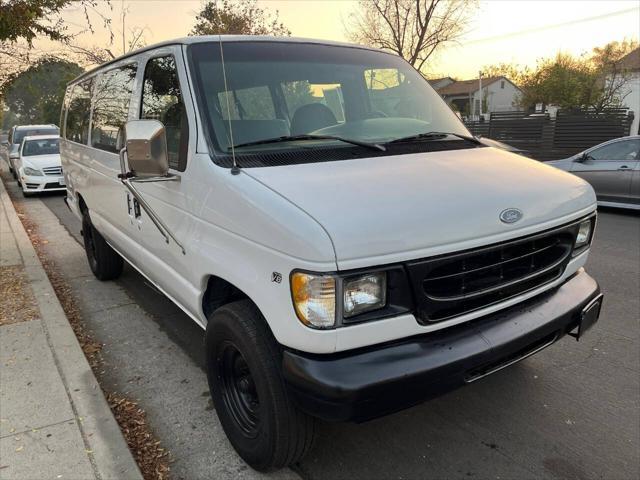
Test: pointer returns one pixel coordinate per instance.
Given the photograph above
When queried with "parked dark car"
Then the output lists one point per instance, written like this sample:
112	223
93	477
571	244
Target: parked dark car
612	168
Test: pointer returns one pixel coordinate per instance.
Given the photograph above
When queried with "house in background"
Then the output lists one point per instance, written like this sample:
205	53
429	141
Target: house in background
499	95
437	83
630	64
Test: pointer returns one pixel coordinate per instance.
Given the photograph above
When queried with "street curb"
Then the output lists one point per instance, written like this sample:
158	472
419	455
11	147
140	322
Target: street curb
106	447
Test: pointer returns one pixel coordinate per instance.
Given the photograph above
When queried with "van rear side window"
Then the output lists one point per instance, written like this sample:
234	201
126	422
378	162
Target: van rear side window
78	113
111	106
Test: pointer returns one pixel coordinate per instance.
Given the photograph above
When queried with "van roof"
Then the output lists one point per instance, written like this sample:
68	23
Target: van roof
40	137
30	127
224	38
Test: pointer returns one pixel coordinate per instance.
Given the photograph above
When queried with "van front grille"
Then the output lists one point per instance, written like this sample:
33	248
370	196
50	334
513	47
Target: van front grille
454	284
52	171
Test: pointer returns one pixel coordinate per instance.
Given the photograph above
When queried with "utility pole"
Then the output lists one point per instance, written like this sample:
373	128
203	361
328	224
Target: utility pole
124	14
480	91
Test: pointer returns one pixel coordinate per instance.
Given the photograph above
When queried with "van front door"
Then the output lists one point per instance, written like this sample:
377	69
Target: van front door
161	98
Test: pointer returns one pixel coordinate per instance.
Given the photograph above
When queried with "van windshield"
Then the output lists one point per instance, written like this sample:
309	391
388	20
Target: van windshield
282	89
45	146
32	132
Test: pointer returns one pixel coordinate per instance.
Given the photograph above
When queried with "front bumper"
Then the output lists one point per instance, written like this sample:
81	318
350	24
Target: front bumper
42	183
374	381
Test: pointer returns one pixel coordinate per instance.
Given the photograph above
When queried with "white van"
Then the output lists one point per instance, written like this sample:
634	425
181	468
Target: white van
348	247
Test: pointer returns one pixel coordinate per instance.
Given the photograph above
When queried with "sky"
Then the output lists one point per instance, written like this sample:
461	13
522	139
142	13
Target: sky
500	31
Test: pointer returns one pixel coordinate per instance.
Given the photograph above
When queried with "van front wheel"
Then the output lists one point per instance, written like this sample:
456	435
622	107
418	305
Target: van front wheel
104	261
248	391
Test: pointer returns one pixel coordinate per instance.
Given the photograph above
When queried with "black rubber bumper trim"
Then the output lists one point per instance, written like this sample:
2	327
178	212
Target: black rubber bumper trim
368	383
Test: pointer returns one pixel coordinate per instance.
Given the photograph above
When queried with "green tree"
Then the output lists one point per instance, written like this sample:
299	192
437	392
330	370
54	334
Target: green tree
515	73
560	81
8	119
595	81
27	19
219	17
610	85
36	94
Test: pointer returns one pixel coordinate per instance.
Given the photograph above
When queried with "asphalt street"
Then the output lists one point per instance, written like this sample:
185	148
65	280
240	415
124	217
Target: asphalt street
570	412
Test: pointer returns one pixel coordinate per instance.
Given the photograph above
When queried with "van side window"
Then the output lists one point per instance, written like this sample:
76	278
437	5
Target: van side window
162	100
111	106
78	113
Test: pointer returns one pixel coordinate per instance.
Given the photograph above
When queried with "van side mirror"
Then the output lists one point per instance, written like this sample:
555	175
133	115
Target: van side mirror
145	142
585	157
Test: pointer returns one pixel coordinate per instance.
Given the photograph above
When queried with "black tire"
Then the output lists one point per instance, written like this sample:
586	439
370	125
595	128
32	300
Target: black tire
26	194
248	391
104	261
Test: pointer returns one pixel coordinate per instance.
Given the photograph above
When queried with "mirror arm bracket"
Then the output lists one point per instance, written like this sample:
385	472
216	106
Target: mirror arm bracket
167	178
127	178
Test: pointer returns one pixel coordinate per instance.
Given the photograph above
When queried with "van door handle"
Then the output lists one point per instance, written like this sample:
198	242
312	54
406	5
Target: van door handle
624	167
136	209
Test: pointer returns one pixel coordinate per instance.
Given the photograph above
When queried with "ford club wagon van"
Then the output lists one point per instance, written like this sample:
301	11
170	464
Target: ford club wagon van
347	246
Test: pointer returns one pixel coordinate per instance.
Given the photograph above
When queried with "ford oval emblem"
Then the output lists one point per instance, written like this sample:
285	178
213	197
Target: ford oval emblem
510	215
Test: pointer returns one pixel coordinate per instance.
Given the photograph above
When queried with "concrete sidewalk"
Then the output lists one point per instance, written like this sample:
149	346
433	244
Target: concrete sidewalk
54	420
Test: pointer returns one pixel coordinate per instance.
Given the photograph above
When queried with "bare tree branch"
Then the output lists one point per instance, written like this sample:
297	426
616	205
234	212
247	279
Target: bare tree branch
413	29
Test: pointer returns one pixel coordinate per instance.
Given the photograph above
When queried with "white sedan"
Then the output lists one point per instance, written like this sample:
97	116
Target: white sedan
38	166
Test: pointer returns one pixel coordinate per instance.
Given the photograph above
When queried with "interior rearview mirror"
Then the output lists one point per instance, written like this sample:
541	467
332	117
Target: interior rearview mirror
146	145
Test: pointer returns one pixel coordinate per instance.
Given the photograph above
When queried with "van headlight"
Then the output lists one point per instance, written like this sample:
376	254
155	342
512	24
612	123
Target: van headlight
364	293
583	236
32	172
318	298
314	299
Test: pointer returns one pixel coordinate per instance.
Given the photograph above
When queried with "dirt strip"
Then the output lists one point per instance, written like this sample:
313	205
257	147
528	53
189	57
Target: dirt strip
16	298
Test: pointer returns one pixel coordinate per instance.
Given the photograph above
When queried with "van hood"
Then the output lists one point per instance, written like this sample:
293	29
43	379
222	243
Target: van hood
42	161
387	209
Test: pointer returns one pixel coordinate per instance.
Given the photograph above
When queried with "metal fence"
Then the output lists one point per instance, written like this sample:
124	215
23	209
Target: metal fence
549	138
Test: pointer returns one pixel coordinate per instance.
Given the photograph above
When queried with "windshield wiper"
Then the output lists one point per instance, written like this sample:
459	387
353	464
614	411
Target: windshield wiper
293	138
433	136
